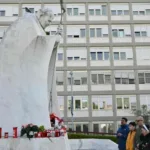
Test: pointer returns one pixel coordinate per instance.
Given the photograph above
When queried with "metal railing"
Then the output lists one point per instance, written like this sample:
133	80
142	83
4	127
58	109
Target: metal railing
92	133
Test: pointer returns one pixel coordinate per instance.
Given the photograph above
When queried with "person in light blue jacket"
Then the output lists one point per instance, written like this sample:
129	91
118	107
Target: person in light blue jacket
122	134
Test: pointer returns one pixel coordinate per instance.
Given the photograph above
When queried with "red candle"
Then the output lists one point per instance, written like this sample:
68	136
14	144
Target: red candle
14	132
6	135
0	132
57	133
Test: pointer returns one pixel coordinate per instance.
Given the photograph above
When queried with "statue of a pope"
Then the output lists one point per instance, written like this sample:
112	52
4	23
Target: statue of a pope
27	72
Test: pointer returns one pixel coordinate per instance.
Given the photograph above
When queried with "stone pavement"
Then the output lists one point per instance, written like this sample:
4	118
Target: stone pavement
92	144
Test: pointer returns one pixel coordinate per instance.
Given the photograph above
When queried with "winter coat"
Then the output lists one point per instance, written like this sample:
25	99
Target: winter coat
145	142
130	140
124	130
137	136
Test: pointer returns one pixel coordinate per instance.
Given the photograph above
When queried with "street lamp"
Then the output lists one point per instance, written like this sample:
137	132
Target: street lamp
71	74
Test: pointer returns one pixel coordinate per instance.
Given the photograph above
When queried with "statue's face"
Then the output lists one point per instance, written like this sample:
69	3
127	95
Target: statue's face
45	20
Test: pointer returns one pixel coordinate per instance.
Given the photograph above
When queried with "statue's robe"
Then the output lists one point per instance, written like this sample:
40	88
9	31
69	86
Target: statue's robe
27	72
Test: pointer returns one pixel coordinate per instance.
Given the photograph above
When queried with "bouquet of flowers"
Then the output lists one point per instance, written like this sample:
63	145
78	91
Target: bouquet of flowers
29	130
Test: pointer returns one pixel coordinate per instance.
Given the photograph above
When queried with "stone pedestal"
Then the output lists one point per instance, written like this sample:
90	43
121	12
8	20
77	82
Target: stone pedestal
59	143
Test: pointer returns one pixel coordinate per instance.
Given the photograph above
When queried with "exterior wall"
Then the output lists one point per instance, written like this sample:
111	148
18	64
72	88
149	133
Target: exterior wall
10	11
97	54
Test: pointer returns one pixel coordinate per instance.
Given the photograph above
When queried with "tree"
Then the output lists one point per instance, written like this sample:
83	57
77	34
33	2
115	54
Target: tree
143	112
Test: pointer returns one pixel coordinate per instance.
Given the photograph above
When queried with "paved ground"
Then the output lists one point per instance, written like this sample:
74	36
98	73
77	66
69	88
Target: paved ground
92	144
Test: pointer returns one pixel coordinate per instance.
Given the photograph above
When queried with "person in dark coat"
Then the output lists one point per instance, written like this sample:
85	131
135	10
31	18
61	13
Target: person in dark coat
145	138
122	134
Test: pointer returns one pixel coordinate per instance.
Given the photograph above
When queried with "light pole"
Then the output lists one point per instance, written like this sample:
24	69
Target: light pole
71	74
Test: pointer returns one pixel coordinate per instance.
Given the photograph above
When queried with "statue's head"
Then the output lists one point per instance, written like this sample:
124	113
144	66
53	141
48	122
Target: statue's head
45	17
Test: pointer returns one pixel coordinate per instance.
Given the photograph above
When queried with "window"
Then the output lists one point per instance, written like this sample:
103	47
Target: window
101	78
118	80
141	12
105	35
147	11
99	32
131	81
102	102
85	128
84	104
80	103
69	81
94	78
147	77
83	80
137	34
120	12
82	33
126	103
116	55
145	101
121	32
126	12
107	79
122	55
75	11
93	55
124	77
143	33
77	104
92	32
59	78
61	102
141	78
79	78
125	80
104	10
119	103
98	12
100	55
91	12
76	36
78	127
82	14
70	58
115	33
96	128
60	56
106	55
77	82
123	103
32	10
69	11
95	104
69	36
2	12
113	12
135	13
76	58
15	15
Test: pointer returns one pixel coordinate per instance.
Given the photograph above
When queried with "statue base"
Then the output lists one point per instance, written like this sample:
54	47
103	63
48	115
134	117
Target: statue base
59	143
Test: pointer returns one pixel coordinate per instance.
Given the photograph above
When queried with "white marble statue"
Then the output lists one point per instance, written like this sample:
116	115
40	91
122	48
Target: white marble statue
27	72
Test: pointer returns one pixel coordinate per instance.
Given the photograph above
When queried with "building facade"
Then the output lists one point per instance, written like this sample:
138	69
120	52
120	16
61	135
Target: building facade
106	45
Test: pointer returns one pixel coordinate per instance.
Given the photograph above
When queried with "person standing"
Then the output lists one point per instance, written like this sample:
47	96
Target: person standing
145	138
131	136
140	123
122	134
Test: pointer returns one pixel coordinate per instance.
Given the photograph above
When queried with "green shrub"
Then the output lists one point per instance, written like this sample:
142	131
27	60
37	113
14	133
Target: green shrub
41	129
91	136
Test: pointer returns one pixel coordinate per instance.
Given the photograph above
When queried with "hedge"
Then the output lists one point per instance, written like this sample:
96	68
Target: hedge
89	136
